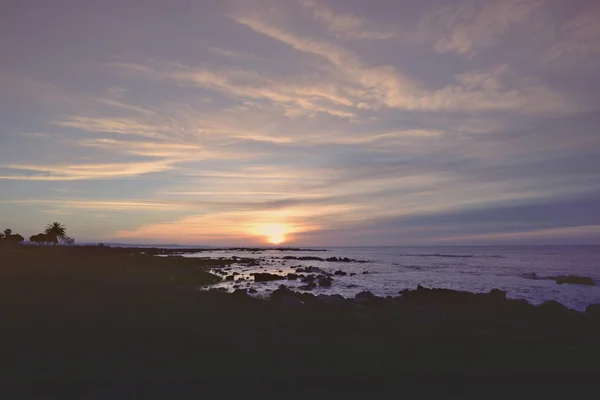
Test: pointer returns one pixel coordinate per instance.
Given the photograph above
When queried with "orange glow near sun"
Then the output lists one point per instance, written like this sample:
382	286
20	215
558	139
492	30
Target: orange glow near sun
275	233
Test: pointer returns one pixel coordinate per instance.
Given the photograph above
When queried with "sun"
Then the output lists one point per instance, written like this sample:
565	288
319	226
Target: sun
276	239
274	233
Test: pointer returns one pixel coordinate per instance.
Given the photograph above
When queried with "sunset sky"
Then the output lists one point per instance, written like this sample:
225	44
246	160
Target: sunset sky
339	122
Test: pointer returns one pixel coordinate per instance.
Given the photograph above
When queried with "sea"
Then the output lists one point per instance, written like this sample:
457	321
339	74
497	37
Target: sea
521	271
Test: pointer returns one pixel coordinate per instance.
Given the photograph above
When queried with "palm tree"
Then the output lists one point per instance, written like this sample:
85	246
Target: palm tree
55	232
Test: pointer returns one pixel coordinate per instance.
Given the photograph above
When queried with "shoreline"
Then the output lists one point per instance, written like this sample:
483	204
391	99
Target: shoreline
84	320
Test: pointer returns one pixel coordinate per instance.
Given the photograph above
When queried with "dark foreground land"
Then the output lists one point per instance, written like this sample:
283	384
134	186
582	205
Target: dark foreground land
101	323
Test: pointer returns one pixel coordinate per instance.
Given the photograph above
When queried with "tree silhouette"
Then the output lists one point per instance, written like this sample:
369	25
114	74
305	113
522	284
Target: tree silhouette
68	240
8	237
16	238
40	238
55	232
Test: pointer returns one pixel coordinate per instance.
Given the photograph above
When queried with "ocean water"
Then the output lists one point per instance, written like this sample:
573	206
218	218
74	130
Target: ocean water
474	269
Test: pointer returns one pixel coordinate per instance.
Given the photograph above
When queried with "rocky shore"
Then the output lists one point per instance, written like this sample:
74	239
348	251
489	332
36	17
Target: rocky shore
105	324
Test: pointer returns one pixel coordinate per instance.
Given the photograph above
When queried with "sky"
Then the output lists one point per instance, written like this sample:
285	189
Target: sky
305	122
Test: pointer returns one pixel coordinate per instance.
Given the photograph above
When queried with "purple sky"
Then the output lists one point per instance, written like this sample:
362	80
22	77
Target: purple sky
314	122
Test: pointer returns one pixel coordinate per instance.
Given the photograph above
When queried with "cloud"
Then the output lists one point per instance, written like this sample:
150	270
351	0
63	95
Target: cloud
346	26
125	126
104	205
465	27
576	43
385	85
69	172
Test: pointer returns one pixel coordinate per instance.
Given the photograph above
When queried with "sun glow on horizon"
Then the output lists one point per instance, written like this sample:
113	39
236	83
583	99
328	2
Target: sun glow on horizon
274	233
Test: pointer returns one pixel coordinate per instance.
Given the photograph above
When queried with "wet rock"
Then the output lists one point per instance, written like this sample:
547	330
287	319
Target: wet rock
304	258
292	277
365	272
252	290
593	312
308	286
310	269
240	293
340	259
552	306
496	295
365	294
340	273
572	279
266	277
308	278
286	297
335	300
324	281
229	277
352	273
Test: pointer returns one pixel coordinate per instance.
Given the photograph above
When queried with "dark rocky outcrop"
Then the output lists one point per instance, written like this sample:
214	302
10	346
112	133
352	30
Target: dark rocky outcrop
310	270
565	279
266	277
334	300
593	312
303	258
572	279
308	286
324	281
340	273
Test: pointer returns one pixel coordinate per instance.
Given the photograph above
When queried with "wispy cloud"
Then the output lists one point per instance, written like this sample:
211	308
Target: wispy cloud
464	27
576	43
69	172
347	26
434	121
385	85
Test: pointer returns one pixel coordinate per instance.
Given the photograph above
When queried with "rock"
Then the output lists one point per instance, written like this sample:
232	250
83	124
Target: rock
335	300
365	298
308	278
552	306
324	281
340	273
240	293
593	311
365	295
266	277
292	277
229	277
352	273
308	286
235	273
496	295
310	269
305	258
553	312
252	290
572	279
340	259
365	272
286	297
